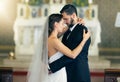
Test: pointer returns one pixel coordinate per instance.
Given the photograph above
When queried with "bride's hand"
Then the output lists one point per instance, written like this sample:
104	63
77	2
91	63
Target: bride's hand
81	21
86	35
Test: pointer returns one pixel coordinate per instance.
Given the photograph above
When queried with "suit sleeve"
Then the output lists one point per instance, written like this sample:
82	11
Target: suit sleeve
63	61
60	63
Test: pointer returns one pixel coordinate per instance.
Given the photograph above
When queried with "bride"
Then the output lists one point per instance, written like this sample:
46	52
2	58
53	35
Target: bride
38	71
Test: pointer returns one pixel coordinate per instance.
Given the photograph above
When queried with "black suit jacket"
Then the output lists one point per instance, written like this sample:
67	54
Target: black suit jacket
77	69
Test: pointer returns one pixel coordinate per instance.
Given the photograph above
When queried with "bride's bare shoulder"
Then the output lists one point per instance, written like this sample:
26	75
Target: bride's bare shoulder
53	40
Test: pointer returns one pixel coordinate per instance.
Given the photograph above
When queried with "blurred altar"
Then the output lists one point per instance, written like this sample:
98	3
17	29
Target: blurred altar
29	25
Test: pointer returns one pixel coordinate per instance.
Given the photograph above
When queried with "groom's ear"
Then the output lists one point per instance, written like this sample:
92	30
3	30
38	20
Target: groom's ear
73	15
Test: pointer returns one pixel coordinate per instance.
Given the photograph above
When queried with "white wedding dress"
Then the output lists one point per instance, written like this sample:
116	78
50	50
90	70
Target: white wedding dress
38	69
59	76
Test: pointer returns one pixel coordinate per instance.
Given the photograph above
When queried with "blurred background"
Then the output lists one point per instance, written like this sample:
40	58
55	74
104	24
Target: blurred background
21	22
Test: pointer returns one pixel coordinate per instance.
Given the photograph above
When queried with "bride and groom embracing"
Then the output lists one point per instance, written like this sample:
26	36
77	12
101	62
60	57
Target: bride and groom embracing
68	61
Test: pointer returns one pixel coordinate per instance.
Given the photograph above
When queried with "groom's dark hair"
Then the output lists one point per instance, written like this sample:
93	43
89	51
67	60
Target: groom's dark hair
69	9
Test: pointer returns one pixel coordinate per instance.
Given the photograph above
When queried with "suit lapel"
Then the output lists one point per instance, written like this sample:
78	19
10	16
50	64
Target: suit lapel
73	32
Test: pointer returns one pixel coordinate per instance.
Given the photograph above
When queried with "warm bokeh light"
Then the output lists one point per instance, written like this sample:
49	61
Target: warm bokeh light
6	11
26	1
2	6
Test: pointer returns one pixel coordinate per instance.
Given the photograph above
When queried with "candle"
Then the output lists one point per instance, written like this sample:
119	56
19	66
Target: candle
90	1
27	1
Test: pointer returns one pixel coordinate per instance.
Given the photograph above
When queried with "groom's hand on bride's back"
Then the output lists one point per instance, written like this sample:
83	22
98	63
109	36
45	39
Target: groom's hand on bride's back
49	71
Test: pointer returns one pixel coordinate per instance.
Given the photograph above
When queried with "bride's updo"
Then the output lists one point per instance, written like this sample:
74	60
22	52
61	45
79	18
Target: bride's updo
52	19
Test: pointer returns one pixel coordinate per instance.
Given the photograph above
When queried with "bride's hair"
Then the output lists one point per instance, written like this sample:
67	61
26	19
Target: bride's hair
51	21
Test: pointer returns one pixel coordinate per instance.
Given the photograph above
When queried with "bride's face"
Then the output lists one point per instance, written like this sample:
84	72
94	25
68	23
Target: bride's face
61	25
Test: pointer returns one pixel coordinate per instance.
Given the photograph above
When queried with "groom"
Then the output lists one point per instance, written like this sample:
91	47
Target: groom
77	69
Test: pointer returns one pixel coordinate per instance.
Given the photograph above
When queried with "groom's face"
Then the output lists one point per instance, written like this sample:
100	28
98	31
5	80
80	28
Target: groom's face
68	19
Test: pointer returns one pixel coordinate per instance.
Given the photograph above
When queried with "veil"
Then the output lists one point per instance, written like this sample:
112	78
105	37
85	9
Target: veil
38	71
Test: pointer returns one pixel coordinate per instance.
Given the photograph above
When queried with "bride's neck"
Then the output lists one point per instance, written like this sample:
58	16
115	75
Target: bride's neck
54	33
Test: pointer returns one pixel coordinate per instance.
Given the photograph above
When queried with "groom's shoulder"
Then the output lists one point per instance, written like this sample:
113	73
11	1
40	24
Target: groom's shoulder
80	26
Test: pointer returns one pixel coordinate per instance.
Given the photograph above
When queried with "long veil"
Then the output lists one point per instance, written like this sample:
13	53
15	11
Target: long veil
38	71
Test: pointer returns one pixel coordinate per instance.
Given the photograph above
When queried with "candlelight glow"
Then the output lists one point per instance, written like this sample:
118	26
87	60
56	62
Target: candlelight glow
90	1
27	1
2	6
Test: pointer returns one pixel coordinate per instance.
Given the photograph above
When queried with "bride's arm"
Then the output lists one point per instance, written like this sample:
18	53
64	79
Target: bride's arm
71	53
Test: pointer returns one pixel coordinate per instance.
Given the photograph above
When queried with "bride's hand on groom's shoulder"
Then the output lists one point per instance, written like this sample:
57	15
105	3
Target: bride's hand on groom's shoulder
81	21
